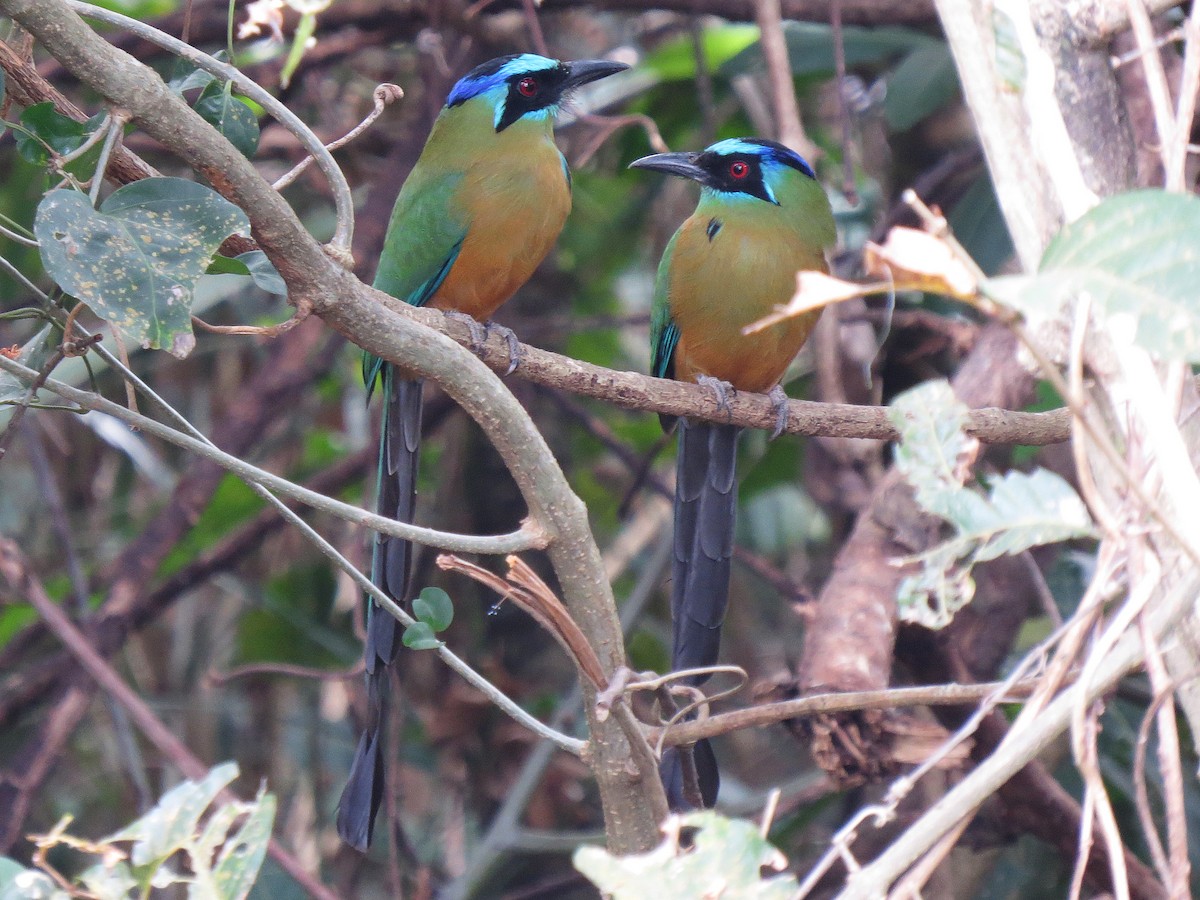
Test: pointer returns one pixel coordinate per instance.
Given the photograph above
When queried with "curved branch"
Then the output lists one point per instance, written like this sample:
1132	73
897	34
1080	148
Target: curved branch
528	537
633	798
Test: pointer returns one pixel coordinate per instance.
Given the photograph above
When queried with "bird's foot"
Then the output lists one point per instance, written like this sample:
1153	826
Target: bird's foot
779	402
478	331
723	389
514	345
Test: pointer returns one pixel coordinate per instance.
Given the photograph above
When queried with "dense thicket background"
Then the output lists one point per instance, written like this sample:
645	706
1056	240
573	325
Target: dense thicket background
246	641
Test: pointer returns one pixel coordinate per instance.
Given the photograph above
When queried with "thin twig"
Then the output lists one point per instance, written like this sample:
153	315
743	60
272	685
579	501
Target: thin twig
704	83
112	134
839	67
384	95
1156	86
1185	109
527	537
788	126
1178	873
535	27
849	701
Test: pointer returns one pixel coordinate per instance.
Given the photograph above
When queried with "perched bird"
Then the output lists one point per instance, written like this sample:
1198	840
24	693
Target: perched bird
762	217
480	210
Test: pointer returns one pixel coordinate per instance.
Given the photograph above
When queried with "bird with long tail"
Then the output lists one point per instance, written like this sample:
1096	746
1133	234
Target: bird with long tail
761	218
480	210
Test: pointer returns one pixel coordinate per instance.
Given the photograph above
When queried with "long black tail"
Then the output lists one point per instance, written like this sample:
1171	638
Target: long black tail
399	448
705	514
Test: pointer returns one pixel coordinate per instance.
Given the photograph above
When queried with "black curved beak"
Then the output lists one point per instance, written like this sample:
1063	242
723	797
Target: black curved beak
585	71
682	164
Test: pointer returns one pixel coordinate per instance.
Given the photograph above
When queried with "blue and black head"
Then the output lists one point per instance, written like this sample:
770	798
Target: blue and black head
527	85
737	167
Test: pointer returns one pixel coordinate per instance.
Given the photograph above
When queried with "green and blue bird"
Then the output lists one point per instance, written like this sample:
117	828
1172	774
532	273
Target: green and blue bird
480	210
762	217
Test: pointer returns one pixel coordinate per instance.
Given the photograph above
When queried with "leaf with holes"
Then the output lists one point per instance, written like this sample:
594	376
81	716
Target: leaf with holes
726	858
241	857
136	260
170	825
1019	511
934	452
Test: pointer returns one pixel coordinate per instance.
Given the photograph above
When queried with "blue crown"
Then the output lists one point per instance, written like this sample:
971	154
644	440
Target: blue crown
496	73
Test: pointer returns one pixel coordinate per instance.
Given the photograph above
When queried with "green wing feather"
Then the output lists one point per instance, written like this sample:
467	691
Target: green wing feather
664	333
424	236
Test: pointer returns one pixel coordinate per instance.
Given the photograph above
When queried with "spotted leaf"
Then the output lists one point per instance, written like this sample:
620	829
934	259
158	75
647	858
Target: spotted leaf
136	260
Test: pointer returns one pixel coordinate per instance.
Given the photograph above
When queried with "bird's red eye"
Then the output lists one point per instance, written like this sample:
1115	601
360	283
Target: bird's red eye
739	169
527	86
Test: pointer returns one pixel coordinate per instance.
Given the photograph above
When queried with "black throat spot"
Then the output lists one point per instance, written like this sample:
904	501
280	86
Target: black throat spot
714	225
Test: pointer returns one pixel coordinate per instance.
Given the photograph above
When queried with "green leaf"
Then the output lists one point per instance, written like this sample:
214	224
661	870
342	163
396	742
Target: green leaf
172	822
240	858
434	607
185	76
419	636
1030	510
776	520
1020	511
229	115
47	126
253	264
933	451
135	262
675	60
921	85
1136	257
725	860
979	225
263	272
20	883
810	48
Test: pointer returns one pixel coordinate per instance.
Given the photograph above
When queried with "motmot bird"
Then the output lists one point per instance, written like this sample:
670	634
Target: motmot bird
761	218
480	210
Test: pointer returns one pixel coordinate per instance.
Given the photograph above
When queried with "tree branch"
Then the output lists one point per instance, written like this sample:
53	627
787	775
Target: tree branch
633	800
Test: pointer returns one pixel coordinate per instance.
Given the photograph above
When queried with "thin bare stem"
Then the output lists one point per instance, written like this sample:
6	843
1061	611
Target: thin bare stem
1178	872
116	122
526	538
788	126
384	95
839	68
1185	110
1158	89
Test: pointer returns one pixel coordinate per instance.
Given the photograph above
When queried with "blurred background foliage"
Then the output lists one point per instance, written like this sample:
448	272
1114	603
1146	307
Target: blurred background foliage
207	583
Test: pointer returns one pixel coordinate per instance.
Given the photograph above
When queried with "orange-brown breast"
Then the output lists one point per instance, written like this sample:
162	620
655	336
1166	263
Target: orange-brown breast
516	200
719	286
